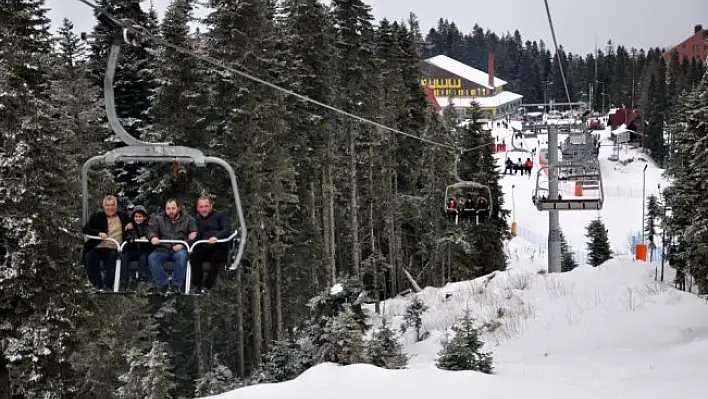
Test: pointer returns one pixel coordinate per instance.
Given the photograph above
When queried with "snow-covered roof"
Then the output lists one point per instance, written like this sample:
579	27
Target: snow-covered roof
464	71
484	102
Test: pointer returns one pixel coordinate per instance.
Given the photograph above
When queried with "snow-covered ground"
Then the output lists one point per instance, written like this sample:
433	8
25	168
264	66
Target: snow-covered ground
606	332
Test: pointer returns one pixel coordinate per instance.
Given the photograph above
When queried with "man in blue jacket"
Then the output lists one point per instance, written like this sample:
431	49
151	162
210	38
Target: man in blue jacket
212	225
170	225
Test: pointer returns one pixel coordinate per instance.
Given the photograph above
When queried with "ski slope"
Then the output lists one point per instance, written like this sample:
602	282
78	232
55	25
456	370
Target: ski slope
606	332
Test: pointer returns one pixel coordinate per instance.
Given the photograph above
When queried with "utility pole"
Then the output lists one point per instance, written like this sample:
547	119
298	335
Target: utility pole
554	242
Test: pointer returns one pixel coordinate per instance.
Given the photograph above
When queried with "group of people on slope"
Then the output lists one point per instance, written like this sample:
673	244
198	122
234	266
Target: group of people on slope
143	238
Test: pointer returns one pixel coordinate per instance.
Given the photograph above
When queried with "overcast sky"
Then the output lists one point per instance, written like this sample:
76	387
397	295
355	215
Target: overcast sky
579	23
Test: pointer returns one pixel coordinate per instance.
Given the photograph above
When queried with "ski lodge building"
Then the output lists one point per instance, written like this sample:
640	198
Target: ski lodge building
454	83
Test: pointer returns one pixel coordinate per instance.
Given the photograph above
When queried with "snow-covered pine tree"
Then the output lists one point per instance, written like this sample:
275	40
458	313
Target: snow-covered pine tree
384	350
463	351
41	298
598	244
251	118
150	372
309	42
567	260
216	381
149	375
696	235
414	318
343	340
653	216
283	362
77	106
479	249
354	44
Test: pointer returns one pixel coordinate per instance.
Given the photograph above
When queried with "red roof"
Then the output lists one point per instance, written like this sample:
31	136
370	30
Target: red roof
623	115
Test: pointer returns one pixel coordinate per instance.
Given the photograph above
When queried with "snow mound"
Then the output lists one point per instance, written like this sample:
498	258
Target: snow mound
610	332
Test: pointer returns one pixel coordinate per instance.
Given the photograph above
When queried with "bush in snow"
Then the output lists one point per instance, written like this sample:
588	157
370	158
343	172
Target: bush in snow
283	362
567	261
218	380
463	352
414	318
385	351
343	340
149	374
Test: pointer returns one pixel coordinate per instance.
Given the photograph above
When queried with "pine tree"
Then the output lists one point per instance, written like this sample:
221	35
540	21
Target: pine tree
653	215
463	352
285	361
343	339
692	208
149	375
218	380
598	245
480	248
414	318
308	38
567	260
41	298
384	350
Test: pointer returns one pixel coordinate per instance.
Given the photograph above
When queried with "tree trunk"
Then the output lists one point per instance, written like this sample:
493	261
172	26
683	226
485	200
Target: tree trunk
256	308
198	338
5	386
391	234
326	226
354	205
241	336
315	271
374	263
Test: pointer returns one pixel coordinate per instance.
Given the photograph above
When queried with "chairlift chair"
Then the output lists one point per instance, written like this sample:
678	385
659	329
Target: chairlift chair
467	189
543	201
145	152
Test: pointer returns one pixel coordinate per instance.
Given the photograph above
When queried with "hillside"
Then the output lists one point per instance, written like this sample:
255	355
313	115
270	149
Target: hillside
610	332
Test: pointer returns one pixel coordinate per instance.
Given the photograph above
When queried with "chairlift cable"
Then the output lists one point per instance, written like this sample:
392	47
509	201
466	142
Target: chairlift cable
142	31
555	44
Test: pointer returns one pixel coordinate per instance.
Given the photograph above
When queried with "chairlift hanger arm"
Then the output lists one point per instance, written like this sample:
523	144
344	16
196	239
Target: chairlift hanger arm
109	94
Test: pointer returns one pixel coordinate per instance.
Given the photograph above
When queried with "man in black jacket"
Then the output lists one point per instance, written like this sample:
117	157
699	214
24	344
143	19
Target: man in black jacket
212	225
109	225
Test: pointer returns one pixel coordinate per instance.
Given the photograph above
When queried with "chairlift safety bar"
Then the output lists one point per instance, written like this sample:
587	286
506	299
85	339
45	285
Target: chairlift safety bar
190	249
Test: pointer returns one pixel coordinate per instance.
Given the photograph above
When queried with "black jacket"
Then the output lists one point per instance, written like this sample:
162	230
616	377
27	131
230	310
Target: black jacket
215	224
138	231
98	223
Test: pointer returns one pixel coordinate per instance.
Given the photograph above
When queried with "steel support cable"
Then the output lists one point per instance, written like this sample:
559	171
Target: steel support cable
142	31
555	44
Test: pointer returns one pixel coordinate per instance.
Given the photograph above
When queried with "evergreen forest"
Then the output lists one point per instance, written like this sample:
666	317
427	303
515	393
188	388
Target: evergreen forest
329	201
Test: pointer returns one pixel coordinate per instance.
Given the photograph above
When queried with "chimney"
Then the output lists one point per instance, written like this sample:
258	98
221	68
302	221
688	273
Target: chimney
490	71
697	28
